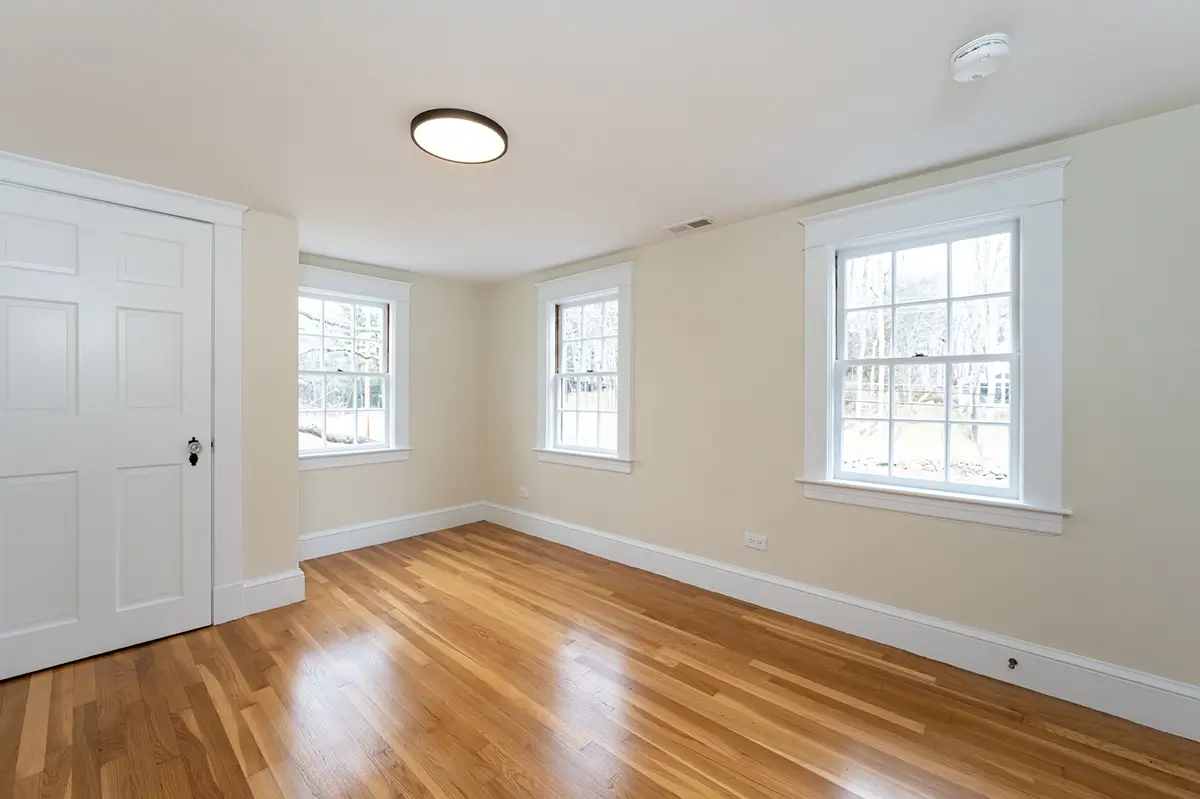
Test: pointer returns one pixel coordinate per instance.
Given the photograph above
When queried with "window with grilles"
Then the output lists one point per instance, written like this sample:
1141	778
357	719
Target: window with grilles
925	383
586	385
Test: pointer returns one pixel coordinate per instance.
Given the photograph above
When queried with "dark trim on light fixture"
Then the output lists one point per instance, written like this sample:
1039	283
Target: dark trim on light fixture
458	113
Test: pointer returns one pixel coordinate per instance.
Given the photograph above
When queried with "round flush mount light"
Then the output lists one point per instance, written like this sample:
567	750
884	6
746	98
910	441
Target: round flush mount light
979	58
463	137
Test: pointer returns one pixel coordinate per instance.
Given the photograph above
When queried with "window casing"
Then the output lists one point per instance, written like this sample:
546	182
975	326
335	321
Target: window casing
584	353
925	386
932	404
353	369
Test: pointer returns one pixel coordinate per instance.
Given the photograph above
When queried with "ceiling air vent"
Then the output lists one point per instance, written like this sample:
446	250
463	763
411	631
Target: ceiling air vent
693	224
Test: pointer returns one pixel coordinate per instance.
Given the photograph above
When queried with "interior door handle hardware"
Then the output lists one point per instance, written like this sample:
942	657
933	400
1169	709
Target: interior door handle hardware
194	447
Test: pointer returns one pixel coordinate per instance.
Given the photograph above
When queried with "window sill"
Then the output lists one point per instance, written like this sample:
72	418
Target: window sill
608	463
958	507
336	460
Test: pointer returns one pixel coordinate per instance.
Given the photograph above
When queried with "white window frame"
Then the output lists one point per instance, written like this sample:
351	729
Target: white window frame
598	284
1031	198
947	235
319	282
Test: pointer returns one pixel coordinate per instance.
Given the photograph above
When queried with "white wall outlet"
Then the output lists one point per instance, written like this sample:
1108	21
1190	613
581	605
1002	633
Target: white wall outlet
523	492
755	541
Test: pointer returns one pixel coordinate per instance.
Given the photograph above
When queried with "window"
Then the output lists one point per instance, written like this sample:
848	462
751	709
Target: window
933	352
353	338
584	351
927	338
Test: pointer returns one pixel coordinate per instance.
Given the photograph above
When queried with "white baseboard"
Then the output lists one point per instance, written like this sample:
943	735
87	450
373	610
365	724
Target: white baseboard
1156	702
357	536
272	591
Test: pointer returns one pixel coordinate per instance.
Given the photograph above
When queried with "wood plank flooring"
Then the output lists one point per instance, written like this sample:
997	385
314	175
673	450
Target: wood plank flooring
478	662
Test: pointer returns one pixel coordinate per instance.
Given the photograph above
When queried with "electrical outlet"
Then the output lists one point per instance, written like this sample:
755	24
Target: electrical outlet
523	492
755	541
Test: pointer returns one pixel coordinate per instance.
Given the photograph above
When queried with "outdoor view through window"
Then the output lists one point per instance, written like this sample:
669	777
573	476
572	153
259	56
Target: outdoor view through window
343	375
927	363
586	375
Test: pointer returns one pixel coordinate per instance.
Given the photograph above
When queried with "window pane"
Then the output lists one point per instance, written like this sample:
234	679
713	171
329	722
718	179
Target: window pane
983	327
339	391
589	394
869	334
337	319
568	399
865	392
608	431
608	393
572	352
372	428
567	429
572	326
609	363
593	315
588	432
921	273
368	322
370	392
982	265
979	454
920	330
865	447
610	318
310	316
339	354
368	356
592	358
339	429
312	432
981	392
869	280
920	392
310	352
312	392
919	450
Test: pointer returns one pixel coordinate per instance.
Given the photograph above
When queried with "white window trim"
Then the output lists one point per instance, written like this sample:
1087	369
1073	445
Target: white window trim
396	293
1032	196
614	280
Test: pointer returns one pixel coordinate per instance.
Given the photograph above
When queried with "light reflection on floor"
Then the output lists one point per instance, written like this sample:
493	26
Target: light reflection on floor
588	703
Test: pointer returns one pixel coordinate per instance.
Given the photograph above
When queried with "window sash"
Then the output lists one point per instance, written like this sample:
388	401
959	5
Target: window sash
559	375
384	341
840	362
385	374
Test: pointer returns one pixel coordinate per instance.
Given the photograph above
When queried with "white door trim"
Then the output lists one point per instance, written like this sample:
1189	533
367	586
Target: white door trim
226	219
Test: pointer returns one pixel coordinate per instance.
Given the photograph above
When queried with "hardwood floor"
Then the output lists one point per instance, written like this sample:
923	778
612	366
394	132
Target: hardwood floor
477	662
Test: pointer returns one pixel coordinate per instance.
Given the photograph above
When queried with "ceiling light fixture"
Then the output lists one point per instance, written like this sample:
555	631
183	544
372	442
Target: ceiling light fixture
979	58
463	137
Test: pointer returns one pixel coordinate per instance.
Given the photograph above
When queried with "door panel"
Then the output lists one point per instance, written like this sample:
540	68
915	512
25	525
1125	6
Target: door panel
105	373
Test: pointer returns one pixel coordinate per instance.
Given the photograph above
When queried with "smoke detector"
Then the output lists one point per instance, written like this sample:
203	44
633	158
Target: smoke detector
692	224
979	58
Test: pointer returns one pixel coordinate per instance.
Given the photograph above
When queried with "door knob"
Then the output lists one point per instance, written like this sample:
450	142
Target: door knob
194	447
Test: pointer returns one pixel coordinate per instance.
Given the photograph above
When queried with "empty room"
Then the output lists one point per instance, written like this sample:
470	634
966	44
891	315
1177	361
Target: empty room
648	398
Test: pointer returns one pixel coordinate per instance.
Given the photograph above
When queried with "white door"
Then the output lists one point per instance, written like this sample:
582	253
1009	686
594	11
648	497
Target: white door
105	374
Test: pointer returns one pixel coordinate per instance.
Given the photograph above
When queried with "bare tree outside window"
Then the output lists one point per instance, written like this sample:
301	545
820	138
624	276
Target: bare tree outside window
926	360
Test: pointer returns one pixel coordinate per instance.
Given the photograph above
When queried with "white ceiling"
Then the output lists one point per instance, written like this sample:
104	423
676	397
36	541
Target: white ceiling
624	116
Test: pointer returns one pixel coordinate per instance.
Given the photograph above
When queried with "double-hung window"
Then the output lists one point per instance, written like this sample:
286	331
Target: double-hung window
584	351
933	352
353	374
927	362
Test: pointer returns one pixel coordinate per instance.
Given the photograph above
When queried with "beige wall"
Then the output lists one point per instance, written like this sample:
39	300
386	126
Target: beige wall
445	406
270	480
718	455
